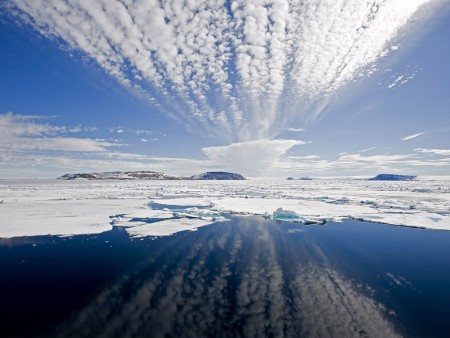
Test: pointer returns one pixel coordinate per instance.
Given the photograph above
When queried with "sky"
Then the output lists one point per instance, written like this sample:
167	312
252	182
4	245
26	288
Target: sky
263	88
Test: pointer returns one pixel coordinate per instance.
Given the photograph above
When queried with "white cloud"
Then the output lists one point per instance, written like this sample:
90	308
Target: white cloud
27	142
23	125
441	152
80	128
359	164
367	149
397	80
404	78
410	137
144	132
245	74
22	133
307	157
59	143
377	160
122	130
295	130
250	157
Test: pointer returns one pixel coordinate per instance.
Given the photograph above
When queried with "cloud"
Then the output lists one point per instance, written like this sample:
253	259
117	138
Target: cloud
145	132
24	125
377	160
367	149
242	72
307	157
29	142
360	164
295	130
80	128
22	133
17	164
58	143
441	152
250	157
410	137
121	130
403	79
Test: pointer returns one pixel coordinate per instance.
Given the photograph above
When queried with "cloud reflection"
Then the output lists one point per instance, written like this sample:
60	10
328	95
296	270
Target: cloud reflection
247	279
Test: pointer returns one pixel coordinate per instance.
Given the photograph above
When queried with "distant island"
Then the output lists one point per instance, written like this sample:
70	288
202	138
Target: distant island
304	178
218	175
150	175
392	177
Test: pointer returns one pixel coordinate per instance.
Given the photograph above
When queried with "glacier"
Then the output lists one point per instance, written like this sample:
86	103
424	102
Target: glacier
161	208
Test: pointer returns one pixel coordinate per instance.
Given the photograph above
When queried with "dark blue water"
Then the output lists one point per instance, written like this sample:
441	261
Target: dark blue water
246	277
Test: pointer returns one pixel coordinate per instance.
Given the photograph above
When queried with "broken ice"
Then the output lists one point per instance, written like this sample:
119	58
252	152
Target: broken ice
50	207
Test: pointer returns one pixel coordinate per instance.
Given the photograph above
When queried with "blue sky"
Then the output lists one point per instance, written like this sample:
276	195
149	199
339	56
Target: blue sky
306	88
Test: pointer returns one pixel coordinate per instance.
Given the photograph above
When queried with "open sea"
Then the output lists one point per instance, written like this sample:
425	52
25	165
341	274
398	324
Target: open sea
246	277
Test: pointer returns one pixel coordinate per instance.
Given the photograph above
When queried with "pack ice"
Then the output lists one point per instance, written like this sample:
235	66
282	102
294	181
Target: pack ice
160	208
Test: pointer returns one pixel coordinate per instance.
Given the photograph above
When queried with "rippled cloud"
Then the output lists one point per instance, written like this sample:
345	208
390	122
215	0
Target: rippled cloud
241	70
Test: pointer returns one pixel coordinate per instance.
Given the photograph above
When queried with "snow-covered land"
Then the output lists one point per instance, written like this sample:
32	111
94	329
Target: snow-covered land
218	175
392	177
158	208
121	175
149	175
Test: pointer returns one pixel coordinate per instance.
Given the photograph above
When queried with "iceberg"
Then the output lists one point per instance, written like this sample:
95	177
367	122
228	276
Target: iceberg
283	215
287	216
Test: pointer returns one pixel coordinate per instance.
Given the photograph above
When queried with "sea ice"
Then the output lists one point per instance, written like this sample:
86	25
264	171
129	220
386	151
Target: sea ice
142	215
206	214
55	207
59	217
167	227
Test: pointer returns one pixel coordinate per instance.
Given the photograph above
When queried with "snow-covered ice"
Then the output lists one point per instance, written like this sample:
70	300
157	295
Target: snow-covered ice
142	215
44	207
167	227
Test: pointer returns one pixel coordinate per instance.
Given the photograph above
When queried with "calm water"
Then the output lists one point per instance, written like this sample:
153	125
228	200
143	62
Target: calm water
246	277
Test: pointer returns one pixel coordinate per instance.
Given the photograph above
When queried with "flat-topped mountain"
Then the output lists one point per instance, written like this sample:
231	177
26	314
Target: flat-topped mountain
150	175
392	177
122	175
218	175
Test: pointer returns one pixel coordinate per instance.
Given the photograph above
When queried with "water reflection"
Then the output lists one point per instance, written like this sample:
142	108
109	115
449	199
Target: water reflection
242	279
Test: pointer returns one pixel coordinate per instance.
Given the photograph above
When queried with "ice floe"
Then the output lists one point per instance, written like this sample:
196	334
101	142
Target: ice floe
202	213
167	227
53	207
59	217
144	215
